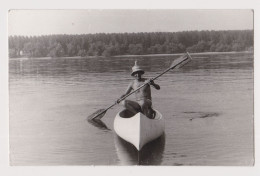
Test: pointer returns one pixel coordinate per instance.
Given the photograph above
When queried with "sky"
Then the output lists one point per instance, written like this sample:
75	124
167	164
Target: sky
45	22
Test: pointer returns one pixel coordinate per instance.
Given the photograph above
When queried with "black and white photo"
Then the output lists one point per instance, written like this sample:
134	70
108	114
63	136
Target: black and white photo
110	87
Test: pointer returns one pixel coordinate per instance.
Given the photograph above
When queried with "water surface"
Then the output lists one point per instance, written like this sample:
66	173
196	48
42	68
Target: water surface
207	105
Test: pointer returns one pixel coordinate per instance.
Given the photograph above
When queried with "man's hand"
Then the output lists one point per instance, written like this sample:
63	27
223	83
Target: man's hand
119	99
150	82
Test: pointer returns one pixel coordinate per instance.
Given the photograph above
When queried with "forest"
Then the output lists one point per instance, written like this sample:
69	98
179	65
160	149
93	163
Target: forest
112	44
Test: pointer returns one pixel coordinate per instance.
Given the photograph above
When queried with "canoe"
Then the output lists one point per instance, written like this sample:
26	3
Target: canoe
138	129
150	154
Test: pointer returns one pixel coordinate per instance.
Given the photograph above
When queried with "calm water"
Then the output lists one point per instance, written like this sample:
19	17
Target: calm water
207	105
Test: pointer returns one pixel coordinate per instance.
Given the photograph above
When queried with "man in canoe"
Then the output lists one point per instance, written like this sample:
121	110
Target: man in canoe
143	96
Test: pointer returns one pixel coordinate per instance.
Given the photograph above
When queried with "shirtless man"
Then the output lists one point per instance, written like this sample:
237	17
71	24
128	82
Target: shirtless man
143	96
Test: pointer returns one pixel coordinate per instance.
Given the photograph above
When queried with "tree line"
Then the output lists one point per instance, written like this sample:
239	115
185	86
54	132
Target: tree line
104	44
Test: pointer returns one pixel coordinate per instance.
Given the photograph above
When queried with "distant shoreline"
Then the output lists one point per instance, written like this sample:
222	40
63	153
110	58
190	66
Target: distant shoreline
178	54
145	55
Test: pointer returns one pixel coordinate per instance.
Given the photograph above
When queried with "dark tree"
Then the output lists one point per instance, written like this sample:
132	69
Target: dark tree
130	43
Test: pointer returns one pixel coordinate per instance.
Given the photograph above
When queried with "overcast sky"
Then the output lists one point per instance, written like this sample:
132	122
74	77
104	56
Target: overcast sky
44	22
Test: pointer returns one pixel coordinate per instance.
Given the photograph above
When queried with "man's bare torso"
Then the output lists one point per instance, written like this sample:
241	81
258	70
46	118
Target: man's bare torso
144	92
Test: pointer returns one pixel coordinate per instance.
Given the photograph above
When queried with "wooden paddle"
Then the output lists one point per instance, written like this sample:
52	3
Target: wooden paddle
177	63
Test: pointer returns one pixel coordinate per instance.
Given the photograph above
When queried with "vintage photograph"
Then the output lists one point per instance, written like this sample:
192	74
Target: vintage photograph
131	87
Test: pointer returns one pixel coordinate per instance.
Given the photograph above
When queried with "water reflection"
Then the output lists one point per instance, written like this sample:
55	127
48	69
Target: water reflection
99	124
150	154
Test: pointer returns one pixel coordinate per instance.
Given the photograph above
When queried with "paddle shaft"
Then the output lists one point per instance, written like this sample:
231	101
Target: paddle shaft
152	79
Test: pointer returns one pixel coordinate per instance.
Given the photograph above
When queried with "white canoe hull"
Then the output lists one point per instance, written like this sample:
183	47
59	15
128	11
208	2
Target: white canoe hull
139	129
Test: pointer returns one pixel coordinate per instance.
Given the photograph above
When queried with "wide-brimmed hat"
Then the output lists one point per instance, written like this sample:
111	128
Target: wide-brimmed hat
136	68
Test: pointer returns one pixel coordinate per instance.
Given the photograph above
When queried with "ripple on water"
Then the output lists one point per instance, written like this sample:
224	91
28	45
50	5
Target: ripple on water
195	115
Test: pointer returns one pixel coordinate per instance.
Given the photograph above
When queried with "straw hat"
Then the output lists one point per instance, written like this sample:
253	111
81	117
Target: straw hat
136	69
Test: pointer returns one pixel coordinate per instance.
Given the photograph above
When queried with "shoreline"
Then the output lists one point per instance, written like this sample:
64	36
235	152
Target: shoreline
127	55
178	54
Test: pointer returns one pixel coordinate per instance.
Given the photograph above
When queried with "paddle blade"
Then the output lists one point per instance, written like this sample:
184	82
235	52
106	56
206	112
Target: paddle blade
181	61
97	115
99	124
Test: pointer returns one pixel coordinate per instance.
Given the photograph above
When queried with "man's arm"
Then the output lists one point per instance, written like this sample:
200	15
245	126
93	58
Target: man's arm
128	90
156	86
